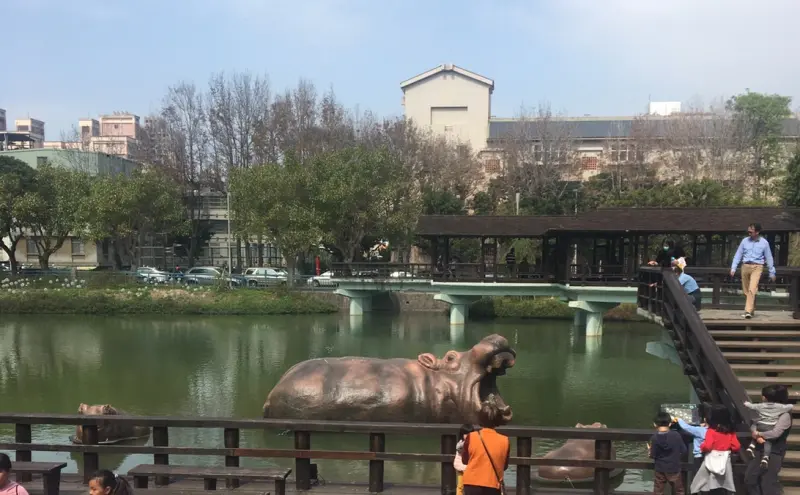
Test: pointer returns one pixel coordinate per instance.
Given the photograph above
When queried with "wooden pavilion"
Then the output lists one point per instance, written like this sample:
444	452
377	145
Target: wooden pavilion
608	241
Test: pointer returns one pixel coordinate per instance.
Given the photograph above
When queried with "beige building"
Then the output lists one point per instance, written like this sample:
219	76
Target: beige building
116	135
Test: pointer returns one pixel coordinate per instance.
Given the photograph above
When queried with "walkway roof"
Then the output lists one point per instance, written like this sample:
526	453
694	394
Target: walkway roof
719	220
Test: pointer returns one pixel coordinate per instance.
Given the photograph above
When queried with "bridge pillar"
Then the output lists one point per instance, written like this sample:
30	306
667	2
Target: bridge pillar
459	306
593	312
360	300
579	320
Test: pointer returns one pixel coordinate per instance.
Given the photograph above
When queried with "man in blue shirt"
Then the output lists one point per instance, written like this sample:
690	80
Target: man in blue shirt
754	252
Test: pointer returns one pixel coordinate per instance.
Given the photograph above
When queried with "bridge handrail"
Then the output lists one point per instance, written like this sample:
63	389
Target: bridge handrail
710	366
303	454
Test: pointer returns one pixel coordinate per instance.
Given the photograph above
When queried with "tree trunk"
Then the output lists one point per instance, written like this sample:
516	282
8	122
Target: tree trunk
11	252
291	264
238	252
117	257
260	250
248	253
44	260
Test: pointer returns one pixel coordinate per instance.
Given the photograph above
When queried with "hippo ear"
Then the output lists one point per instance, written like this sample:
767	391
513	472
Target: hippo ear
428	360
82	408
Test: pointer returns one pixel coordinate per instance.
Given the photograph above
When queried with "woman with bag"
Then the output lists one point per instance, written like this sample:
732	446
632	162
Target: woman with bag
716	471
486	454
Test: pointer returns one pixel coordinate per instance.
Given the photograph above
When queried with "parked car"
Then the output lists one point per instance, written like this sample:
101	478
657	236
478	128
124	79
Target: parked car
209	275
323	279
265	277
150	275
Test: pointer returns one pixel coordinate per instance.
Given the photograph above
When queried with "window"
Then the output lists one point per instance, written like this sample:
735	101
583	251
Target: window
30	246
589	163
23	128
77	247
492	165
448	128
41	161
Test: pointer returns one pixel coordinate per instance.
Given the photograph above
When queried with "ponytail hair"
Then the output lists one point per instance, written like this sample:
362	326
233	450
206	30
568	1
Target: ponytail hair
117	485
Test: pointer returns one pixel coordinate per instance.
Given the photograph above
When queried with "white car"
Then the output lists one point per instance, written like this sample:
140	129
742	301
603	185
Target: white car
323	279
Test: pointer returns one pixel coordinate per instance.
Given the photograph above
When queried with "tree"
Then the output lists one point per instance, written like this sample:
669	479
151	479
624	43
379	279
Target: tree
274	202
16	178
759	123
125	210
51	211
791	182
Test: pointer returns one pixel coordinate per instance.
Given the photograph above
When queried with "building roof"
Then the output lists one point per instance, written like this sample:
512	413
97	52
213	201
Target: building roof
14	136
605	127
614	221
448	68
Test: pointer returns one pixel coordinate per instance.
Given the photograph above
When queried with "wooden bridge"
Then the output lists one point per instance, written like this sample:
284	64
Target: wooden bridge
729	359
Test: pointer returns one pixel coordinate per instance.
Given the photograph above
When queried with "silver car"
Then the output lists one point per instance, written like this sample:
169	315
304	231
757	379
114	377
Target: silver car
208	275
264	277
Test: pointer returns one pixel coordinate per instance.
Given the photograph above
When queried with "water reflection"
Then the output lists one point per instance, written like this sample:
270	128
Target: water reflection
225	366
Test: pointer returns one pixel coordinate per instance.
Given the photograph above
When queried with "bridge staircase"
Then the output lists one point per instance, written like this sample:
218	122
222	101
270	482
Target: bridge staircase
729	359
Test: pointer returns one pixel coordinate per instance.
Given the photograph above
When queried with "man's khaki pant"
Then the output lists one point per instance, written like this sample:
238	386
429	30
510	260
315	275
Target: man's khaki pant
751	275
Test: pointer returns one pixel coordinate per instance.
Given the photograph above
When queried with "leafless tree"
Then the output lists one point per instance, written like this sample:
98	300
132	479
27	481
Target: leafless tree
540	154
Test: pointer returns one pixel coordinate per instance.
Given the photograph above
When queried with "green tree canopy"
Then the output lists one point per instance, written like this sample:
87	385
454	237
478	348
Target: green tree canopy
16	178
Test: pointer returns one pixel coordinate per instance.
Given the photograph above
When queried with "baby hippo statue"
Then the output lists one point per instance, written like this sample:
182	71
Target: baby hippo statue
109	432
576	449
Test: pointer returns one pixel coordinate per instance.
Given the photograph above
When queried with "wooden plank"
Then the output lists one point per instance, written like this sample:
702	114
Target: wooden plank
38	467
744	334
765	367
761	356
754	323
210	472
790	474
783	344
784	380
794	394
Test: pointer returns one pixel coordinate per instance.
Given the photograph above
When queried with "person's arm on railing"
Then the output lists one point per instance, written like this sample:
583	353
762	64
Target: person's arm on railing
770	262
737	257
695	431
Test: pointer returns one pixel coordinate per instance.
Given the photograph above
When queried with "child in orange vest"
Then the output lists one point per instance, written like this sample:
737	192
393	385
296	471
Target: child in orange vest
458	464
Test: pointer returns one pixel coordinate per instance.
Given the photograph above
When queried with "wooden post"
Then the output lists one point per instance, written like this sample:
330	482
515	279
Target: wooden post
91	460
716	294
302	467
377	443
524	449
602	481
231	442
161	439
448	447
23	435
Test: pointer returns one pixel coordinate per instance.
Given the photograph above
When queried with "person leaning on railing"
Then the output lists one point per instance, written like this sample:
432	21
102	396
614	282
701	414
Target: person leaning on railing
486	454
688	283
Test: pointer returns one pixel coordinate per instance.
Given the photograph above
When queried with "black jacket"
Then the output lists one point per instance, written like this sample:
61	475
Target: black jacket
667	448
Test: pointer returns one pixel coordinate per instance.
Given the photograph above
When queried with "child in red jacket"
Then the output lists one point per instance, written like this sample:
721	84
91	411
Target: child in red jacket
716	471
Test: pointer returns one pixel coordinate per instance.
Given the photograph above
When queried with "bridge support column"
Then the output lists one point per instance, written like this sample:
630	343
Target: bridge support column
579	320
360	300
593	312
459	306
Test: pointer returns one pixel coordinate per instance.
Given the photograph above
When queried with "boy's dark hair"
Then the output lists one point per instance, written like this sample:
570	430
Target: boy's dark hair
720	419
5	463
756	226
107	479
669	243
465	430
776	393
662	419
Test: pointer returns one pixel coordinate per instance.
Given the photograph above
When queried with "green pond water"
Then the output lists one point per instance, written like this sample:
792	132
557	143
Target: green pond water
226	366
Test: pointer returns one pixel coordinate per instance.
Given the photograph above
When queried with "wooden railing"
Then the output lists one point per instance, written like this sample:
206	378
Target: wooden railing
375	453
661	294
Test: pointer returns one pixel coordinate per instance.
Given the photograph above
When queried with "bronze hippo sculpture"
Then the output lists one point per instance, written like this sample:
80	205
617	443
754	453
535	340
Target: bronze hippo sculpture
108	432
424	390
575	449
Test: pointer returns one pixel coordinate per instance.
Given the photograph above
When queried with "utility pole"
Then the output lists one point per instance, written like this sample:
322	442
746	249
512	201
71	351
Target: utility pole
230	257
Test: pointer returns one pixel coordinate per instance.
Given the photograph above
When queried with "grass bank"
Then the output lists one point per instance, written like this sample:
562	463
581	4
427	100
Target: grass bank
540	307
149	300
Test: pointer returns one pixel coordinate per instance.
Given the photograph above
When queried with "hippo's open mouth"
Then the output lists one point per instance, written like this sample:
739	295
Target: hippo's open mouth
494	365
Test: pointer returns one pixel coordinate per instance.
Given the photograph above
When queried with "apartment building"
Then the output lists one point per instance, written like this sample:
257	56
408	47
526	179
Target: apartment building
116	134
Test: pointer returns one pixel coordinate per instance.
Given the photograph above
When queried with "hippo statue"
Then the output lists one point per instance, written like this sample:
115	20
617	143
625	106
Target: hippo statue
422	390
576	449
109	432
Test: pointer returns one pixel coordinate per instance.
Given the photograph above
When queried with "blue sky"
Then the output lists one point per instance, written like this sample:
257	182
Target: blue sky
69	59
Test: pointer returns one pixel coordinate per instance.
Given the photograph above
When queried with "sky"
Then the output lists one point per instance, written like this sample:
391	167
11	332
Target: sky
68	60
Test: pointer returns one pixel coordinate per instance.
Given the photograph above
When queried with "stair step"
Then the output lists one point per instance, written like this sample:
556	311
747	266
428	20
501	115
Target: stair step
793	395
790	474
761	356
766	367
754	324
754	333
782	344
766	380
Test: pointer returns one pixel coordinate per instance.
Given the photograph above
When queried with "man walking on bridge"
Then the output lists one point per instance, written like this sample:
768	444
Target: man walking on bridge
754	251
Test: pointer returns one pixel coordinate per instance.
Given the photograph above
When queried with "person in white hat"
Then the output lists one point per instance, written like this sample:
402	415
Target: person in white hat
688	283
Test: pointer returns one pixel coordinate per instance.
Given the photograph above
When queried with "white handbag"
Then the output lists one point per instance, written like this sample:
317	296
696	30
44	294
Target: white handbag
716	461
